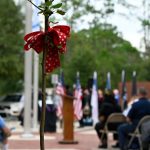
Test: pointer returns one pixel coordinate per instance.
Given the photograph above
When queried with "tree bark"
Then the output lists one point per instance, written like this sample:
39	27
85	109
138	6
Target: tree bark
42	121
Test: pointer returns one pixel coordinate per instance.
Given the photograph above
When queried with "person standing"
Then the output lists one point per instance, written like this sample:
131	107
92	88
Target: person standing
86	107
108	107
138	110
5	132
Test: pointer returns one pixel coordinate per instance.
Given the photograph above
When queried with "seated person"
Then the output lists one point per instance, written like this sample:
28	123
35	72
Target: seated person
4	134
129	105
108	107
138	110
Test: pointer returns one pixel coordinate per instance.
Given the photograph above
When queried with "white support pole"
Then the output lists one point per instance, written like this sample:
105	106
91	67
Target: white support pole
35	93
28	76
35	27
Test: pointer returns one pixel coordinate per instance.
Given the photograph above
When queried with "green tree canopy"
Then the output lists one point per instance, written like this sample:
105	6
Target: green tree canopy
101	49
11	45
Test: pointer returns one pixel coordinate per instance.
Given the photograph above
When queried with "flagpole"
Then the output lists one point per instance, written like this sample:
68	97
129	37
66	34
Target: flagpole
35	94
28	77
94	99
123	92
134	86
108	86
35	27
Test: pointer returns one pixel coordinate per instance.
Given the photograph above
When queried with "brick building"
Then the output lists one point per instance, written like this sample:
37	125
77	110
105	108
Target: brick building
146	85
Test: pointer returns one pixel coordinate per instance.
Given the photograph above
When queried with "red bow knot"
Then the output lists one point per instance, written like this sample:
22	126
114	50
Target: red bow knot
56	42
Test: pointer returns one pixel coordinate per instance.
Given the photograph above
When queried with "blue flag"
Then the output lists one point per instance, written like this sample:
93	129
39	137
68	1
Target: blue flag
108	82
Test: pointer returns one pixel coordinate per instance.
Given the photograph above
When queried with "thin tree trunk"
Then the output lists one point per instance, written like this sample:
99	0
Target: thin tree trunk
42	121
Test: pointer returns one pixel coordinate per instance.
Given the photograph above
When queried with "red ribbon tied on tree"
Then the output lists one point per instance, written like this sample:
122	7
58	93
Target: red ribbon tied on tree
56	43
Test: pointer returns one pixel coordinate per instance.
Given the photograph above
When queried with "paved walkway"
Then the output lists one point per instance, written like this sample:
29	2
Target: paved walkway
86	137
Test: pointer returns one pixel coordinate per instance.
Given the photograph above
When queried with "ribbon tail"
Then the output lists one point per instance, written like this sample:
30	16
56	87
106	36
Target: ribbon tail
52	60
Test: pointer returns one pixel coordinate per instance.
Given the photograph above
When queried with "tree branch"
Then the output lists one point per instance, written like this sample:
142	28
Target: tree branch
35	5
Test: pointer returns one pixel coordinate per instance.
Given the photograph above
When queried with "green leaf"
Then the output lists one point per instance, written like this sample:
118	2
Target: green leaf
61	12
56	5
48	3
145	22
48	12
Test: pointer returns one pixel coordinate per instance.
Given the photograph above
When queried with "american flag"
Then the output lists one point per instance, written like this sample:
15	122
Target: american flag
60	90
78	99
94	99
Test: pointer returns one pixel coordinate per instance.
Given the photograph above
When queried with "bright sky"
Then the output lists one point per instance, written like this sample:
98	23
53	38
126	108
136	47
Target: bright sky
130	27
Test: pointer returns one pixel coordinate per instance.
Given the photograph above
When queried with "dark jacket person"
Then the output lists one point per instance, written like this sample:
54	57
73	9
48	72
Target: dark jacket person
108	107
139	109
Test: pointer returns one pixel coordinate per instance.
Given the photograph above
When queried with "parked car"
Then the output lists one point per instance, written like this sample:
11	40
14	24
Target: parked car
12	104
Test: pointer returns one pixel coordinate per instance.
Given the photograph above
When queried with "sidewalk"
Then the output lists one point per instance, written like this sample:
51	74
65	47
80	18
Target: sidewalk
86	137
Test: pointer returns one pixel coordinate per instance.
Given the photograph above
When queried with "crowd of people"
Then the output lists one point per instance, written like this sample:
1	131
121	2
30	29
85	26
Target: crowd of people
108	103
108	107
137	108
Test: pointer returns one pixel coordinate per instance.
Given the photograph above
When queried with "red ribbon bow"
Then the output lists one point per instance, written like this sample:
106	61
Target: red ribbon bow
56	42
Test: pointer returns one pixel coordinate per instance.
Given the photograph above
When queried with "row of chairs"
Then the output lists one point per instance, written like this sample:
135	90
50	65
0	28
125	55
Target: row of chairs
119	117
